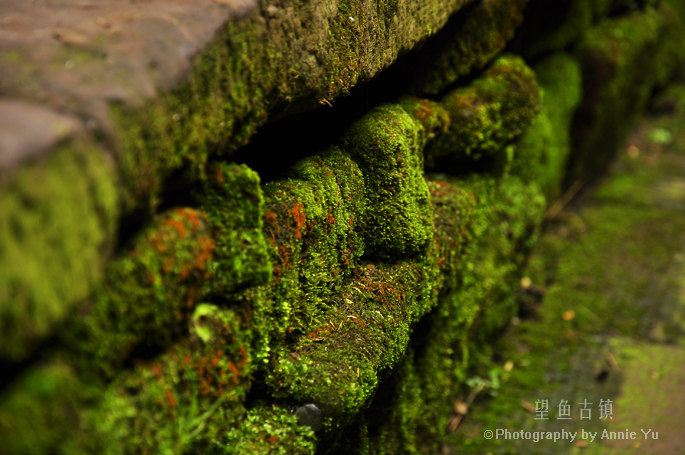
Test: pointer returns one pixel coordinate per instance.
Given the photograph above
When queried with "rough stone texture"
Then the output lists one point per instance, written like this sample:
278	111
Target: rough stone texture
29	129
81	57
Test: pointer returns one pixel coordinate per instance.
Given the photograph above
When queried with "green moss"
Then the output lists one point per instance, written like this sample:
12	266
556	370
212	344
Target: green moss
54	238
273	57
269	430
310	223
616	265
183	401
434	119
147	295
488	114
497	227
337	364
541	154
387	144
479	33
234	205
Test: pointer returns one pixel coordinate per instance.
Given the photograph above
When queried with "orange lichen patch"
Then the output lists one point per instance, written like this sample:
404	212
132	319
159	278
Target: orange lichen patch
202	376
170	398
316	334
284	255
168	264
159	241
242	350
195	217
330	219
439	188
178	226
270	217
192	296
216	359
273	439
300	219
206	248
235	372
156	370
424	111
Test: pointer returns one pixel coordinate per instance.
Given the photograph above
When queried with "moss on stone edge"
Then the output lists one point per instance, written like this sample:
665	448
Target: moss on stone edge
387	143
54	239
486	115
310	225
275	56
478	34
183	401
147	295
234	204
337	364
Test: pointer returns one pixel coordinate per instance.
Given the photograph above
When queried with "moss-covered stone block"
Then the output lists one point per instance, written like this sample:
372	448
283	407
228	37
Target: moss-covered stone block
387	144
486	115
148	294
57	219
622	59
412	409
337	364
542	153
234	204
183	401
311	224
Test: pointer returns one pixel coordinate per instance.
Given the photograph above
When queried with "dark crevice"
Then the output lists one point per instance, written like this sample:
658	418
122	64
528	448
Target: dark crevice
278	145
10	371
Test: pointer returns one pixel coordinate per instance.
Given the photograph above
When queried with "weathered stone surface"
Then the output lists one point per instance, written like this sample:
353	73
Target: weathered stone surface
28	130
82	56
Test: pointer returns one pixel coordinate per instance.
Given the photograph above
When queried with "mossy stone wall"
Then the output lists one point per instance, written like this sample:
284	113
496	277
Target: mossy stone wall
346	304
